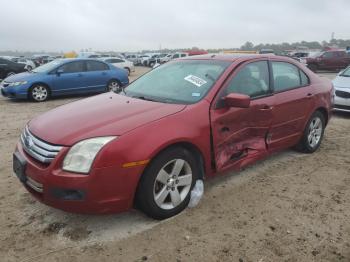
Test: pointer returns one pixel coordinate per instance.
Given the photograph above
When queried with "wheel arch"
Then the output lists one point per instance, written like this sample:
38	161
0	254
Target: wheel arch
324	112
193	149
39	83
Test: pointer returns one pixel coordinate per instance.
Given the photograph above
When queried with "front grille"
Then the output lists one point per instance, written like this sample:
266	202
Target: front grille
342	94
37	148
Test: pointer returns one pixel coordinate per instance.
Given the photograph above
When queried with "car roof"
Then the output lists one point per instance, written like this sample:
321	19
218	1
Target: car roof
230	57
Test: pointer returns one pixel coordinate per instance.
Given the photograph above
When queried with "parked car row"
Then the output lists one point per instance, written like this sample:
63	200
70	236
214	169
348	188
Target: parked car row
151	59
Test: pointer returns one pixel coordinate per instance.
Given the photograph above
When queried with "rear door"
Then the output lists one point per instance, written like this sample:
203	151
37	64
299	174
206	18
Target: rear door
69	78
293	102
239	134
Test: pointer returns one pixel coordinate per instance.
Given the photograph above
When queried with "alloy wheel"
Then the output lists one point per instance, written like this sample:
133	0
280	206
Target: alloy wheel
172	184
39	93
113	86
315	132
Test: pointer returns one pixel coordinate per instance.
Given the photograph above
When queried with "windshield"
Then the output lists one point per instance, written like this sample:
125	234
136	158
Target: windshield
346	72
47	67
315	54
182	82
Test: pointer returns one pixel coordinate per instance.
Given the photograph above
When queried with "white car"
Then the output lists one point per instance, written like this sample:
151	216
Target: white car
342	91
29	64
121	63
166	58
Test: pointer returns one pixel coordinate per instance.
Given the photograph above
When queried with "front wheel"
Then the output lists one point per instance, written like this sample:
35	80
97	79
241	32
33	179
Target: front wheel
165	187
39	93
313	133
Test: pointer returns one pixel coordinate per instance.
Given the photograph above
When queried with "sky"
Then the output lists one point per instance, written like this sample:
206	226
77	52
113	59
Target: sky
133	25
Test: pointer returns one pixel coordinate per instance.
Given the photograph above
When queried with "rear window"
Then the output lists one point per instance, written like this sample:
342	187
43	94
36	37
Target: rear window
287	76
96	66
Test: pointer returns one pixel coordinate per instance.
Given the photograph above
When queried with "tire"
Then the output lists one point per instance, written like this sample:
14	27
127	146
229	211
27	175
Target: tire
39	93
313	67
163	190
151	64
29	68
114	86
127	69
313	133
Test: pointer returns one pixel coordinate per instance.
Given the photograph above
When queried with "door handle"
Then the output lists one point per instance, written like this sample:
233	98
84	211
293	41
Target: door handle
265	107
224	129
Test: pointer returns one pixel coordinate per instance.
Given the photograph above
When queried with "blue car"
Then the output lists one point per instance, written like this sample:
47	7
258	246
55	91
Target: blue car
65	77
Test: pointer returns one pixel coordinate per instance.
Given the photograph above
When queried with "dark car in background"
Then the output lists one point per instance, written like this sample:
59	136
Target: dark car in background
328	60
8	68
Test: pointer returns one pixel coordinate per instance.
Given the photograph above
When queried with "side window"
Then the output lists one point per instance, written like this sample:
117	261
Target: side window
73	67
183	55
304	80
96	66
176	56
340	54
251	80
118	61
285	76
328	55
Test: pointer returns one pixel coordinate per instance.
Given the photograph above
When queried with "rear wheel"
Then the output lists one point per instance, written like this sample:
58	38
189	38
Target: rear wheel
39	93
114	86
151	64
165	187
313	133
128	70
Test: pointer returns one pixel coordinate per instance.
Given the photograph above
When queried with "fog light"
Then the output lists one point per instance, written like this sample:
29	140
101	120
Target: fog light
68	194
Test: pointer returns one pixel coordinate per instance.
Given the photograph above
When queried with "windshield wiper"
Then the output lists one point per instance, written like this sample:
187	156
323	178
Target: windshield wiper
144	98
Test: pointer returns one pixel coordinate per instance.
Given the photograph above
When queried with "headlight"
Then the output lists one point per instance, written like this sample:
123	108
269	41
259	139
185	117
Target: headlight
81	156
18	83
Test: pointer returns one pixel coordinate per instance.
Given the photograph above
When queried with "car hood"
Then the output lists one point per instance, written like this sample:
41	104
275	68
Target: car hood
25	76
341	81
108	114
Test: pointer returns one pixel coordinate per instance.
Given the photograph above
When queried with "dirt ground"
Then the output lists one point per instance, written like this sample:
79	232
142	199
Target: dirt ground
289	207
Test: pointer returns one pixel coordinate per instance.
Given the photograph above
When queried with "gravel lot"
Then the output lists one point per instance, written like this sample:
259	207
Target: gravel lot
289	207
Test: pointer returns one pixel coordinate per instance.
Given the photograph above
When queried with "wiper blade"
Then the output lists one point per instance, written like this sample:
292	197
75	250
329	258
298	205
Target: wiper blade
144	98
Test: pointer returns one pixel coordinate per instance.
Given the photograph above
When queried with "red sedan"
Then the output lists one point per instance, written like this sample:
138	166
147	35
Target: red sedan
186	120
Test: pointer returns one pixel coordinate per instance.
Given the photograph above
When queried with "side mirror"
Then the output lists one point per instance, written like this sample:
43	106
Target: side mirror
237	100
59	71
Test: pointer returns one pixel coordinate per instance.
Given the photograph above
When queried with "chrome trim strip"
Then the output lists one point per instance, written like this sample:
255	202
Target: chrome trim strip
39	150
34	185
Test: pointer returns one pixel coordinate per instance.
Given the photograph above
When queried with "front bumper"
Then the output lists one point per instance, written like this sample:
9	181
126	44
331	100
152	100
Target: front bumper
342	100
14	91
104	190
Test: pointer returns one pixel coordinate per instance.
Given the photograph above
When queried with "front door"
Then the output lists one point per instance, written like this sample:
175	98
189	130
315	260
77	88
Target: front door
69	78
239	134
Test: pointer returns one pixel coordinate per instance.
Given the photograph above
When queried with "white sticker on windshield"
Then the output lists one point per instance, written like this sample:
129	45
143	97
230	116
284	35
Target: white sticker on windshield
195	80
196	94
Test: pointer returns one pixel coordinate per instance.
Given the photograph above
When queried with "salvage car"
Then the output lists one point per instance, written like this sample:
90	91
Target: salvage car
8	68
342	91
187	120
64	77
